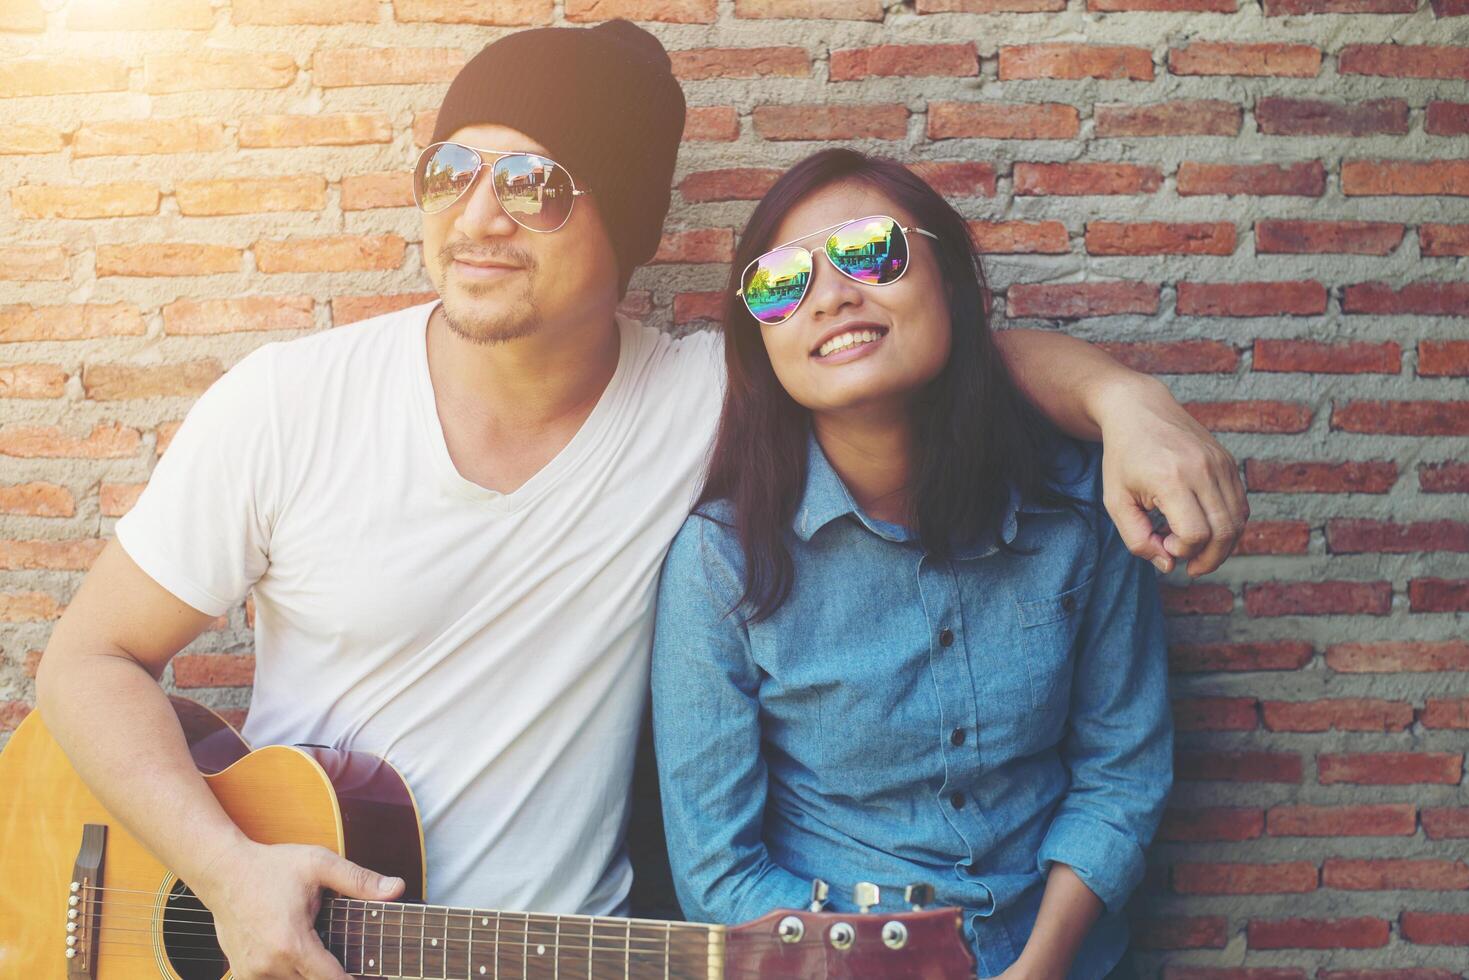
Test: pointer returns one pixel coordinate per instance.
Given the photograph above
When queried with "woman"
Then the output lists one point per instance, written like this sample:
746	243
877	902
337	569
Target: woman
900	640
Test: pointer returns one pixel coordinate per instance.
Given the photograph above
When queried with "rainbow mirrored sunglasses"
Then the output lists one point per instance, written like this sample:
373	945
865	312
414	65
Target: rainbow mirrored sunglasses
535	191
871	250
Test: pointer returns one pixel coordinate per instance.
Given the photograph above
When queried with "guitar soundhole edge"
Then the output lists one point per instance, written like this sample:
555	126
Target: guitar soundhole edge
188	937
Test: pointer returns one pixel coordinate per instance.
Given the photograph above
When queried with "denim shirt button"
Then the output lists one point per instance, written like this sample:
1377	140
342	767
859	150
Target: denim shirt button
1069	603
956	737
956	800
946	637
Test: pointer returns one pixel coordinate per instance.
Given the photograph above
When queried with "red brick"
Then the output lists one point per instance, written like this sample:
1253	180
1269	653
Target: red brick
1369	820
1403	61
22	138
36	499
1445	477
1447	119
183	134
74	555
12	713
1443	358
1317	117
904	61
637	304
1238	767
1197	600
385	189
191	670
1002	121
1352	536
1075	61
666	11
1358	933
699	245
1306	179
139	15
1182	932
1293	877
350	309
989	6
1435	928
334	253
26	16
500	13
1450	8
1176	357
58	74
213	68
96	201
1216	714
1286	8
167	259
1251	416
1011	237
106	441
280	12
957	178
810	9
1445	713
195	317
1160	238
1445	823
1311	356
693	64
342	67
743	184
1202	117
1086	179
1292	476
711	124
1237	299
116	499
1403	418
1318	598
1074	301
1377	658
831	122
1274	538
251	195
1220	823
1434	239
1346	237
1337	714
335	129
32	381
423	127
79	321
1205	58
1389	768
1189	658
117	382
1164	6
690	307
1438	595
1415	178
28	607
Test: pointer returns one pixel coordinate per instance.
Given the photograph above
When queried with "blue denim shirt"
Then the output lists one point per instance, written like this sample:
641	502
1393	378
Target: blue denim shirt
902	719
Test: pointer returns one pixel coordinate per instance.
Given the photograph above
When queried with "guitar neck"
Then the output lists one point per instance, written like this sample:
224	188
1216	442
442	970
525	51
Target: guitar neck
435	942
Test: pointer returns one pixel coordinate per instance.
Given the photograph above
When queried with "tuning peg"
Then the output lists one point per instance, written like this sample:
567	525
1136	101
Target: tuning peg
819	891
865	895
918	896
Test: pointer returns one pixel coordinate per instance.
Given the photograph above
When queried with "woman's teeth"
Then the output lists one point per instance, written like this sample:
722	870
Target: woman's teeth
842	342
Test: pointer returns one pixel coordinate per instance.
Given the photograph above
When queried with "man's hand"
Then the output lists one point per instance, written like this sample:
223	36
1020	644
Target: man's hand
1154	455
265	899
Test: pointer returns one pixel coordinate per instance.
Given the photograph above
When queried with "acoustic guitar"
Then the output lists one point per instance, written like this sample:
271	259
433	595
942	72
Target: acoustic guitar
83	900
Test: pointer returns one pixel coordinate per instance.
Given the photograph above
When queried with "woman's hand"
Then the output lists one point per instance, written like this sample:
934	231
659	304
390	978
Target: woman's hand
1154	455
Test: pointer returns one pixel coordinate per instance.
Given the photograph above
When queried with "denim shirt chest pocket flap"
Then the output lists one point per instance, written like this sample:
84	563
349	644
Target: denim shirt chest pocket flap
1048	628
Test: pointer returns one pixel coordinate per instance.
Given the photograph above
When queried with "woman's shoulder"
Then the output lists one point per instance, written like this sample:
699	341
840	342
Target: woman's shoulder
1072	468
707	538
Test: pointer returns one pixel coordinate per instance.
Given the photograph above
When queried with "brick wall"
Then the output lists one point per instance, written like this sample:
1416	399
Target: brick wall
1266	204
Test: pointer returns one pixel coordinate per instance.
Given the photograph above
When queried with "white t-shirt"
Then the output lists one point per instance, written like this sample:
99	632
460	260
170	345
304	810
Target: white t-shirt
493	647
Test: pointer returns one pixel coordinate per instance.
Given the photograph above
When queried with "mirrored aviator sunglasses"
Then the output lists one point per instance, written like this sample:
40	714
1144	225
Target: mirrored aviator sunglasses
535	191
871	250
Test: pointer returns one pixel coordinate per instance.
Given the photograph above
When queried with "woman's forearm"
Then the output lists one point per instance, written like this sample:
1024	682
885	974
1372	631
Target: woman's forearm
1068	910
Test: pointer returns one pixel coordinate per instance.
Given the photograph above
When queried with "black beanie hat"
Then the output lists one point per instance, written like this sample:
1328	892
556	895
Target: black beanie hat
603	101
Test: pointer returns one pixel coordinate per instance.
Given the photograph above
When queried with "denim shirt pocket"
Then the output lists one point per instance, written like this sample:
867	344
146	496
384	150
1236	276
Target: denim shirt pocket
1048	632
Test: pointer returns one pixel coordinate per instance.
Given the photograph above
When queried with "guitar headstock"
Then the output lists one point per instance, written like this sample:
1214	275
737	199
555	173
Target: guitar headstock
868	945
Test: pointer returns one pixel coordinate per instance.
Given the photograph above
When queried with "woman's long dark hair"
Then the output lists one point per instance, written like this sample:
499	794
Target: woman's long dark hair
975	435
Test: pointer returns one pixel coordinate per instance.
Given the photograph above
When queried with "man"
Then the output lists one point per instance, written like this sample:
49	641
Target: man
452	519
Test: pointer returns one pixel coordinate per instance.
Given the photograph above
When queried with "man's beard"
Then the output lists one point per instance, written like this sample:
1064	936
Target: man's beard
511	319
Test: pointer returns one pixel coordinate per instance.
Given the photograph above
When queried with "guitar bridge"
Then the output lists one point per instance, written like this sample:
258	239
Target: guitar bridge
84	904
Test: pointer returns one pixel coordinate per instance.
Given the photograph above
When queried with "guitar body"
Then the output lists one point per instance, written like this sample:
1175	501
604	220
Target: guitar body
351	803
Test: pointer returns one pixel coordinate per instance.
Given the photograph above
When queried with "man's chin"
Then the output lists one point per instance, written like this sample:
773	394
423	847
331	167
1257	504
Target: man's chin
483	320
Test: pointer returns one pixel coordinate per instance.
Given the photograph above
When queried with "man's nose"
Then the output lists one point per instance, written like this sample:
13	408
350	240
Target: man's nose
481	215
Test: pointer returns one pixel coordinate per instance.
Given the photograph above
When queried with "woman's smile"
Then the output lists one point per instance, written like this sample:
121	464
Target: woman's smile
850	343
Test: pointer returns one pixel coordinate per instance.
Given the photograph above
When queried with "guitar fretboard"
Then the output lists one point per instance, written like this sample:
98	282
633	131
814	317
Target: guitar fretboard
430	942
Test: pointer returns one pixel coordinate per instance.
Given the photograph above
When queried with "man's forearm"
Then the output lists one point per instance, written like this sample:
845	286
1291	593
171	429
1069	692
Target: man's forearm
1070	381
120	733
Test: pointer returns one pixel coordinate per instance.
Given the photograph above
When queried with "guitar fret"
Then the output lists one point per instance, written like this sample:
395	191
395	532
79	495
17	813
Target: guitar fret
667	940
